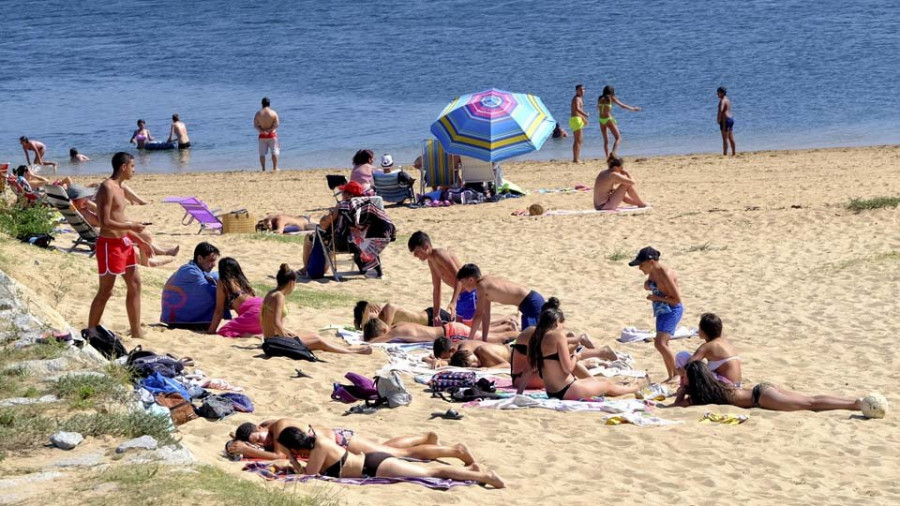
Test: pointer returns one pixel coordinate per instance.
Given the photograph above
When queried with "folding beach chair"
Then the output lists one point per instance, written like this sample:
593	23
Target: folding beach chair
350	218
479	171
438	167
335	180
24	196
388	187
57	197
196	209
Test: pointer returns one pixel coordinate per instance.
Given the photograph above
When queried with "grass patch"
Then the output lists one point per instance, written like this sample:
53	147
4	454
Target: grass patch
619	254
130	425
151	484
306	298
84	392
17	220
860	205
282	238
24	426
707	246
44	351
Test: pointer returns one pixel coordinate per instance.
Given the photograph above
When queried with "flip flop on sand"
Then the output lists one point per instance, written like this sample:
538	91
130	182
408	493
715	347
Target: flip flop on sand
450	414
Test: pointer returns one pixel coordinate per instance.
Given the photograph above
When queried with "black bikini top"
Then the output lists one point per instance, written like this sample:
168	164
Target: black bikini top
334	470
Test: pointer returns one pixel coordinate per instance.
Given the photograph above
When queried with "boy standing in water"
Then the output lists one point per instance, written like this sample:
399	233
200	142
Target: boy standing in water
577	122
490	289
444	265
115	251
663	286
725	119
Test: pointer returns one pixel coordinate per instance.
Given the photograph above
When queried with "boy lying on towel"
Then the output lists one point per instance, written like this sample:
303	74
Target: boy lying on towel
376	331
474	354
391	313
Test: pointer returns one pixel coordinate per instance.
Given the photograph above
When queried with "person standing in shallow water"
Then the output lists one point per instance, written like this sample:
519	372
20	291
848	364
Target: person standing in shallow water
578	119
266	123
725	120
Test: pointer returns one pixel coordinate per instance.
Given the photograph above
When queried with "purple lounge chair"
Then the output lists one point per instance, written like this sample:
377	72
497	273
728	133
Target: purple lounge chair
196	209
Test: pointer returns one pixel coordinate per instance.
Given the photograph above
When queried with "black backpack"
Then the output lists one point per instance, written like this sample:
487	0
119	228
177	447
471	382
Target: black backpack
104	341
290	347
216	407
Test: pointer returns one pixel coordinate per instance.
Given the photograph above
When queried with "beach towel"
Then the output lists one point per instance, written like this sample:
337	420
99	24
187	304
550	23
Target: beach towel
247	321
270	473
564	212
571	189
724	418
634	334
619	410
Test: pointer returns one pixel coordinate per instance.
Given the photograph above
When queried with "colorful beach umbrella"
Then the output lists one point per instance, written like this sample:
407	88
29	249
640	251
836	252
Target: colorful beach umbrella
493	125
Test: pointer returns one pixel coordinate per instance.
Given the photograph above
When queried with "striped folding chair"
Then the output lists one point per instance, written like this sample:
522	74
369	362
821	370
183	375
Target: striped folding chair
438	168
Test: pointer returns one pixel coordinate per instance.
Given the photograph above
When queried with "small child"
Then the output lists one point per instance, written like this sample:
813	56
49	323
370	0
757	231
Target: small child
666	300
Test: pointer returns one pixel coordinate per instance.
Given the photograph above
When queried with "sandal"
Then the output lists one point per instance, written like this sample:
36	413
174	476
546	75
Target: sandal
450	414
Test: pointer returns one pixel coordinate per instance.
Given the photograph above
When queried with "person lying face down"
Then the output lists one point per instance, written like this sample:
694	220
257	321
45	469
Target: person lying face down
468	353
261	442
376	331
391	313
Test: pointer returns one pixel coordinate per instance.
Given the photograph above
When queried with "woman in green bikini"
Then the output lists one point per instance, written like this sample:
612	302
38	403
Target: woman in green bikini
607	121
273	311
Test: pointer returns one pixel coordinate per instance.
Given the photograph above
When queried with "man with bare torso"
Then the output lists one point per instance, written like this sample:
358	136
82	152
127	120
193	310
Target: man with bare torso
39	150
578	119
492	289
725	119
444	265
115	250
614	186
266	123
179	131
468	354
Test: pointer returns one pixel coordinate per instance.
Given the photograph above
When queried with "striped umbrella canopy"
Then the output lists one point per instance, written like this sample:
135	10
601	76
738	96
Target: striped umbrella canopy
493	125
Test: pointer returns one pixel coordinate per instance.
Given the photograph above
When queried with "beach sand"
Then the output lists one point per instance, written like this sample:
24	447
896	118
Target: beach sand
809	292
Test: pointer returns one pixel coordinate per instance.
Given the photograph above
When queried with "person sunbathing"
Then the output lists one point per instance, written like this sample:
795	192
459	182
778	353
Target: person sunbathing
31	181
468	353
391	313
327	458
703	388
376	331
261	442
614	186
274	310
280	223
549	356
234	292
492	289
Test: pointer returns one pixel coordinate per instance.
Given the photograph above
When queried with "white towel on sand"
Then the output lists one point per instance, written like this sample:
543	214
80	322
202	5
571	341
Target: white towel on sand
628	410
634	334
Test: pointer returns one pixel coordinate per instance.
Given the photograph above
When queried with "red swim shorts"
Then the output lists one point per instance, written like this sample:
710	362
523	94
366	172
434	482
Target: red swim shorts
115	255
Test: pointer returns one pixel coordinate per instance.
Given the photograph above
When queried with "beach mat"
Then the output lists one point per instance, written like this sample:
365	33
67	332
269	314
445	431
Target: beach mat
265	471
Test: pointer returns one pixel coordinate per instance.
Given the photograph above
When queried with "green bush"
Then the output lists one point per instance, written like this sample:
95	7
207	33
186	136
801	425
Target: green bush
21	221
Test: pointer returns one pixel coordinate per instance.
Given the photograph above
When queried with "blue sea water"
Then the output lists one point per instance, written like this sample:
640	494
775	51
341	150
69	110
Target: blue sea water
375	74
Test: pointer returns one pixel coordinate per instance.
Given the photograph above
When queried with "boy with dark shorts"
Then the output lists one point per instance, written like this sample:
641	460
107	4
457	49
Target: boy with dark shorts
115	251
502	291
444	265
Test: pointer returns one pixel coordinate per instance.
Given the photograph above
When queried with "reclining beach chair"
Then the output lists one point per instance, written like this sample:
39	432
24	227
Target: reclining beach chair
334	181
389	188
196	209
479	171
57	197
364	214
24	196
438	167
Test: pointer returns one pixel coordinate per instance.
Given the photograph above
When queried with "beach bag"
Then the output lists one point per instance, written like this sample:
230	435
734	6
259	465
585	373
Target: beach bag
181	409
392	390
290	347
240	402
317	263
361	389
483	389
238	222
445	380
156	383
104	341
216	407
166	366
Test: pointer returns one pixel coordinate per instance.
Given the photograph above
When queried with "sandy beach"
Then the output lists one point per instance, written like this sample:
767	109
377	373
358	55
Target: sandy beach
808	291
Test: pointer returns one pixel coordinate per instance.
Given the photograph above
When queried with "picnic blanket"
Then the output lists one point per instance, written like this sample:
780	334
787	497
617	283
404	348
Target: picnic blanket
634	334
618	411
269	473
564	212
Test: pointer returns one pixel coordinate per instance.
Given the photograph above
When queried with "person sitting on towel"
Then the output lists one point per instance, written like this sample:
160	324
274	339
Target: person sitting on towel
492	289
261	442
376	331
274	309
189	296
614	186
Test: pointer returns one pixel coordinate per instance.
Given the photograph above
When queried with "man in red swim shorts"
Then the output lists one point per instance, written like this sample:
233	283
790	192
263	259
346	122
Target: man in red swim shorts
115	251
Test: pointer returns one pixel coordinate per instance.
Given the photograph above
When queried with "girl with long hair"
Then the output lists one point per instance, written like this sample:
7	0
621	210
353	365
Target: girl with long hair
607	122
274	310
233	291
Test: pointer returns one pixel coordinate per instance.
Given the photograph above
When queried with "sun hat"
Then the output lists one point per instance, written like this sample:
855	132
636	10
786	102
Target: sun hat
643	255
387	161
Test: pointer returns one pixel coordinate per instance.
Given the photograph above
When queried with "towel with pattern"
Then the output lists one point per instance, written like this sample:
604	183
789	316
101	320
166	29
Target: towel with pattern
271	473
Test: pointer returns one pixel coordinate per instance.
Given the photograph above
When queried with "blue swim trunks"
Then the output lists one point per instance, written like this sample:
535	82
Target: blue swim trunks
530	307
465	305
727	125
669	321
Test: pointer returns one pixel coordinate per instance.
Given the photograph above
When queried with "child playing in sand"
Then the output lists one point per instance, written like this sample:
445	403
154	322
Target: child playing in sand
490	289
666	299
273	311
376	331
444	265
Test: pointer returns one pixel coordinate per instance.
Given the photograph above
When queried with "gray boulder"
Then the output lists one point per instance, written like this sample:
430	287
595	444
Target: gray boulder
66	440
141	443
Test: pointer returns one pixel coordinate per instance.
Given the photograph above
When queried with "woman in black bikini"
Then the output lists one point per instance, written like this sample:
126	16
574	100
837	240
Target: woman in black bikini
703	388
328	459
548	354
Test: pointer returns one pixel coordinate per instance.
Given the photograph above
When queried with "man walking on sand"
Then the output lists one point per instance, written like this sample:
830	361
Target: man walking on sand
115	251
577	121
266	123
